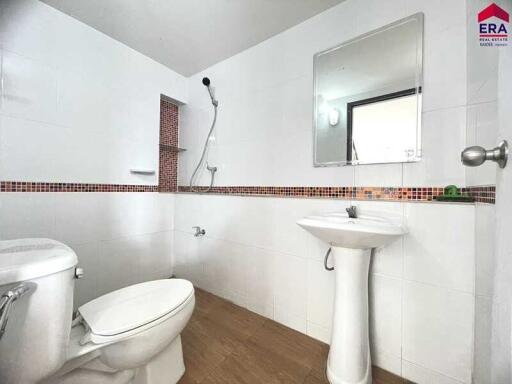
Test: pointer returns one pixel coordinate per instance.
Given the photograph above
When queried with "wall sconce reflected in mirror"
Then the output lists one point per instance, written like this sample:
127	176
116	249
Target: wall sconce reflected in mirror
334	117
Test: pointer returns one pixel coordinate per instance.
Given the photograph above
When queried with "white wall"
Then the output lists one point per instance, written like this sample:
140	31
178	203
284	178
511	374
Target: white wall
422	286
264	133
482	86
77	106
119	238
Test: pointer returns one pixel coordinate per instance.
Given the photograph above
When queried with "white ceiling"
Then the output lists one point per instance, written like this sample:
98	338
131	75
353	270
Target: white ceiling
191	35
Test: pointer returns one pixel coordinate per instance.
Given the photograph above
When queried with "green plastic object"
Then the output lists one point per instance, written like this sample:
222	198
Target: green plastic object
452	193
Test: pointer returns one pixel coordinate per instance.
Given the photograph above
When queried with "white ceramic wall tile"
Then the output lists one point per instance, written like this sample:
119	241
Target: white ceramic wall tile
89	258
439	248
320	294
187	263
387	361
290	282
27	215
421	375
134	259
485	240
318	332
30	88
482	130
386	315
438	329
482	360
86	217
76	115
444	74
378	175
443	139
259	284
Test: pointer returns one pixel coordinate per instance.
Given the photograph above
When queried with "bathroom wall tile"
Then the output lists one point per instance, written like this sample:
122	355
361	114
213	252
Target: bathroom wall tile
438	330
224	267
384	360
27	215
482	130
49	62
422	375
439	248
386	315
377	175
134	259
443	139
30	88
320	294
482	359
318	332
485	242
259	284
483	64
284	316
187	262
85	217
156	261
89	258
290	284
444	76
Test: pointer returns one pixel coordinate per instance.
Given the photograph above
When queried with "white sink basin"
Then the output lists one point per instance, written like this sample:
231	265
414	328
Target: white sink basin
361	233
351	242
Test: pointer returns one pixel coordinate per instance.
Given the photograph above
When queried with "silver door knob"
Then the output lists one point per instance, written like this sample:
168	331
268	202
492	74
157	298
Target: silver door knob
475	156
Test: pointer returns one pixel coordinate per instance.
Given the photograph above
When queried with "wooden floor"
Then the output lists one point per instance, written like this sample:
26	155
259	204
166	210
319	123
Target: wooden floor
226	344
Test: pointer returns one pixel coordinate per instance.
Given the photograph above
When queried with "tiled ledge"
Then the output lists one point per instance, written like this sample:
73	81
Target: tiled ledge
482	194
26	186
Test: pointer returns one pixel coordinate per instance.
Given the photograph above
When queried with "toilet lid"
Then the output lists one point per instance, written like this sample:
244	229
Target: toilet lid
134	306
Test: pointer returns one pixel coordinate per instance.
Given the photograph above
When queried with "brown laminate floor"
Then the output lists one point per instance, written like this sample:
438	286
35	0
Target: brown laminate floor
226	344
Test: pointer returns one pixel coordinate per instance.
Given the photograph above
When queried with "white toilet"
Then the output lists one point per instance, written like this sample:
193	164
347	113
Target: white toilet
131	335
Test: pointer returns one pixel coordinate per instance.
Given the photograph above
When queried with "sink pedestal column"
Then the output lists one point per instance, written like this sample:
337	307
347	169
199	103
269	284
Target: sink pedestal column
349	355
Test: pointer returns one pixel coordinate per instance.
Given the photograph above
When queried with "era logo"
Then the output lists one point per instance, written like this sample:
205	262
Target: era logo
493	32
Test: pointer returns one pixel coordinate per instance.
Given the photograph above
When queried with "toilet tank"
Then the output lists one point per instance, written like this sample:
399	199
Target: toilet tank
36	335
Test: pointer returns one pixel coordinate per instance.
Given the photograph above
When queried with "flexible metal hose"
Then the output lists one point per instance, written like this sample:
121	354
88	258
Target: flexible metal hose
203	157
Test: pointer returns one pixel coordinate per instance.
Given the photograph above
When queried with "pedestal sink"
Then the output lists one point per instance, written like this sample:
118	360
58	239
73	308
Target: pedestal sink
351	240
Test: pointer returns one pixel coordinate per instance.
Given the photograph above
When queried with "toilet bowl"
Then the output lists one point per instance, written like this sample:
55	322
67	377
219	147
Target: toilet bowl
131	335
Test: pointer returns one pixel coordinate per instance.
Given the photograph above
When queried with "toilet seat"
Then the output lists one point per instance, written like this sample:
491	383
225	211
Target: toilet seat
133	309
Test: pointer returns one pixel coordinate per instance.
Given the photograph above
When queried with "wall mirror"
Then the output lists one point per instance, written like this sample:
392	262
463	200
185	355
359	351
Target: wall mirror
367	97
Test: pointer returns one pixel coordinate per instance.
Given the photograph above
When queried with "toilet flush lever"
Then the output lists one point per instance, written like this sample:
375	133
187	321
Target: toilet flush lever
7	302
79	273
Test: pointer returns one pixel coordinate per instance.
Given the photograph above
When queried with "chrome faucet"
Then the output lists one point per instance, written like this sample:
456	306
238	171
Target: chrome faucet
352	211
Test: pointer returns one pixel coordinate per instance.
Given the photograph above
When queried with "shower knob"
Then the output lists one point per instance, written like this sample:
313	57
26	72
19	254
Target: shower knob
475	156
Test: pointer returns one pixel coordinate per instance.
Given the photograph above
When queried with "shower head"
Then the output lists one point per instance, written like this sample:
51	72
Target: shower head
206	83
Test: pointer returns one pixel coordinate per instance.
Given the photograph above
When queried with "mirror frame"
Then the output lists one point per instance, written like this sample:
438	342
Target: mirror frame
419	17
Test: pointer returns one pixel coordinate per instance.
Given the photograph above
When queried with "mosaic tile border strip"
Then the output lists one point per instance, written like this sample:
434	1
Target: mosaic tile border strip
484	194
25	186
